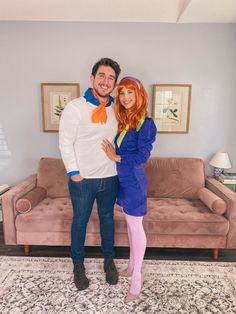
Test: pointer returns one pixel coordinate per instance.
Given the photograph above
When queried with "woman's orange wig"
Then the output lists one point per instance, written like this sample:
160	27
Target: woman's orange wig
133	115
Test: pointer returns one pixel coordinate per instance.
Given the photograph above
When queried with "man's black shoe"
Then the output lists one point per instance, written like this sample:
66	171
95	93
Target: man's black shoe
80	279
111	271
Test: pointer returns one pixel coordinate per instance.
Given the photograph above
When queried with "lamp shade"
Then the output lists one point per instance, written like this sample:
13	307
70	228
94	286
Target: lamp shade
220	160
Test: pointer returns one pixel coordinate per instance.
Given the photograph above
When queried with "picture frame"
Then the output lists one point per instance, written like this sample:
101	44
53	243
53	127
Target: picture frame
171	107
55	97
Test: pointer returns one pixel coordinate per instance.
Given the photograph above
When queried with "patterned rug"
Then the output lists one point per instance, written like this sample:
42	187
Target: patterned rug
45	285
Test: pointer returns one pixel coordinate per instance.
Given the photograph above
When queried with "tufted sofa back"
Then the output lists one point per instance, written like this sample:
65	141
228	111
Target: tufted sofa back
175	177
167	177
53	177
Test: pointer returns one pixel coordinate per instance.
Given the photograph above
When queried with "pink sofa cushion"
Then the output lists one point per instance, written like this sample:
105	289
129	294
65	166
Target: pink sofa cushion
53	177
212	201
164	217
175	177
30	199
173	216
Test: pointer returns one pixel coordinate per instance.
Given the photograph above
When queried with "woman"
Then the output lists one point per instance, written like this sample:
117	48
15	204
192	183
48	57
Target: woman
133	145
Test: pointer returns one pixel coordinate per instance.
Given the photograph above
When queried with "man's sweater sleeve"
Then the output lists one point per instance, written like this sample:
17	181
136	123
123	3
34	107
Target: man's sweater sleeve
67	135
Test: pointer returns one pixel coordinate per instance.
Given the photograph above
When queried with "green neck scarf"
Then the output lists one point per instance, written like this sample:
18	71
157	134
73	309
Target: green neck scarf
122	133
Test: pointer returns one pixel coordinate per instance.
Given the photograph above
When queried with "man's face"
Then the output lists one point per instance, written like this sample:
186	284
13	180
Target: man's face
103	82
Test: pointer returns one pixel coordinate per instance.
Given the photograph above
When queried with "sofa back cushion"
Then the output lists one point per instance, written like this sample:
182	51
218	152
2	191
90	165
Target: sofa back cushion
53	177
175	177
167	177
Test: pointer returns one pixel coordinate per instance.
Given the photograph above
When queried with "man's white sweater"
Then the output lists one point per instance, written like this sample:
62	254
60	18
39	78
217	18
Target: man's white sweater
80	140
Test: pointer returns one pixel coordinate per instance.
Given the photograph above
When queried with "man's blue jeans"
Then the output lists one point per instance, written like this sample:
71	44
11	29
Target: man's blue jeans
83	194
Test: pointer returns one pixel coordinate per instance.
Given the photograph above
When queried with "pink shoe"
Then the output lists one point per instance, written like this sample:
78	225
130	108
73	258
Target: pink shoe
125	273
132	297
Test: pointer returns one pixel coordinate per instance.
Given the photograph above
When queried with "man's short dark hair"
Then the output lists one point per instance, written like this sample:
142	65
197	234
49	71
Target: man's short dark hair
107	62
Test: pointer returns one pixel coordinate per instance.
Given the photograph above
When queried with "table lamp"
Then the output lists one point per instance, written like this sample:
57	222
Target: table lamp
220	161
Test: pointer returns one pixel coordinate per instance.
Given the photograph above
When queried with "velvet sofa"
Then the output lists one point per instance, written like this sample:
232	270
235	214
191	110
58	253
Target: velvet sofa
186	209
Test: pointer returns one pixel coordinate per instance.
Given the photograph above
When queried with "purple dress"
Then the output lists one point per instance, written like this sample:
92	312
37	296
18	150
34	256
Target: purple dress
134	150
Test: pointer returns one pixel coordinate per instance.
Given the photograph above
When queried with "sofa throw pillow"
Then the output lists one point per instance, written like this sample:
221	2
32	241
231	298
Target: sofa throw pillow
30	199
212	201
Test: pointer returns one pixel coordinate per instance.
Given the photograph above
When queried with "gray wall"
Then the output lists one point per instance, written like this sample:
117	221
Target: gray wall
33	52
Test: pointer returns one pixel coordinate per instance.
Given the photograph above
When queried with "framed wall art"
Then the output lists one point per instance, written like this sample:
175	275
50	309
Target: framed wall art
171	107
55	97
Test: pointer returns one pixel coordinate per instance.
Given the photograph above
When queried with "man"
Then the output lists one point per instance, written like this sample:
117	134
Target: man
84	123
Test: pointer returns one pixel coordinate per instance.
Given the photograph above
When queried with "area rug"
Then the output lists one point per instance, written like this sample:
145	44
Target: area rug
45	285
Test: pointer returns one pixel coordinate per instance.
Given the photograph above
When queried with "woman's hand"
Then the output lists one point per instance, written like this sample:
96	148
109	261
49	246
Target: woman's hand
110	151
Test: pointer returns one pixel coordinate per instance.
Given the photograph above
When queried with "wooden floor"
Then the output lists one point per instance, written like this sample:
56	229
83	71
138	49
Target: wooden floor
151	253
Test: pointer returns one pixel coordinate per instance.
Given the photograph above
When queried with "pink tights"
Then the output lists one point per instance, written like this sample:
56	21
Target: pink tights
137	243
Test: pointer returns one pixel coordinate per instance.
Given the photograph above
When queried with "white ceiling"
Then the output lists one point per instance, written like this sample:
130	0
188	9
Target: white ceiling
162	11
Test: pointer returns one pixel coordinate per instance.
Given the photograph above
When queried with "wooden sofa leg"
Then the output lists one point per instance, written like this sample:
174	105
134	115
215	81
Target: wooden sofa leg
215	254
26	249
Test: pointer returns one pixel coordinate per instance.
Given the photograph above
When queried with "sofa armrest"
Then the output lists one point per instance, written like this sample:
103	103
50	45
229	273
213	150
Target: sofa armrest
9	200
30	200
230	198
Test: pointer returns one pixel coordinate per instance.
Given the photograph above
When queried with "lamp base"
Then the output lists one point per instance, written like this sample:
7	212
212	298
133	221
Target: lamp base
217	172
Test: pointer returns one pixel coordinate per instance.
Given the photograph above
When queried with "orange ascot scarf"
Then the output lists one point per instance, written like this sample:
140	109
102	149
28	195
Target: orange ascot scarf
99	114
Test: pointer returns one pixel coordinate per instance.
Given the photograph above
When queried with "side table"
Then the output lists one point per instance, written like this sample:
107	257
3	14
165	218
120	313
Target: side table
3	188
0	208
231	186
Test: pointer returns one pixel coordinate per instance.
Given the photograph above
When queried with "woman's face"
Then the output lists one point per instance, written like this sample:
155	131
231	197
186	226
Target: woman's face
127	98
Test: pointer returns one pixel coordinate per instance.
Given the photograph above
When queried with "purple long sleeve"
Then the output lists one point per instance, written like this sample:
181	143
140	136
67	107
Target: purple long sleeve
140	149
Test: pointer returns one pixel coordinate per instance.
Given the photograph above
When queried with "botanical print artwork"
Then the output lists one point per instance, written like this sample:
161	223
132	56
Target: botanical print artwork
171	107
58	101
168	108
55	96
